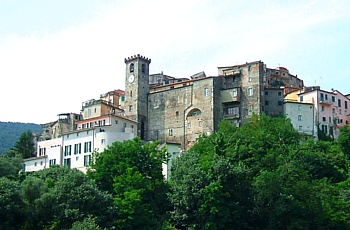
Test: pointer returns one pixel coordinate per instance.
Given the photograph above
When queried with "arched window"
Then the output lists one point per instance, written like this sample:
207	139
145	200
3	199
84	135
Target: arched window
131	67
194	112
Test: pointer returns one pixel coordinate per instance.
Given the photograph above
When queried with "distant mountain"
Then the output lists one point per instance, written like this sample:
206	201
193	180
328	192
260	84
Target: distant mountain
11	131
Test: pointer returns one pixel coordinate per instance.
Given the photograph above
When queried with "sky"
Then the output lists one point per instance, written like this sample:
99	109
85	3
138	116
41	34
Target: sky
56	54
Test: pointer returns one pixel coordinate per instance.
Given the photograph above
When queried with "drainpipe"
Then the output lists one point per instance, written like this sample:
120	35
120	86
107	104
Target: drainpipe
184	138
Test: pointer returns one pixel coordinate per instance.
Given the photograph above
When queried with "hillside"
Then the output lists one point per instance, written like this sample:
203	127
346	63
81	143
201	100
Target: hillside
11	131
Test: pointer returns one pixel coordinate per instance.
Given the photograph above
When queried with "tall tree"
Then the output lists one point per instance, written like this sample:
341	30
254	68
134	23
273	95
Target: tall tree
25	145
132	172
10	166
10	205
210	193
56	197
344	140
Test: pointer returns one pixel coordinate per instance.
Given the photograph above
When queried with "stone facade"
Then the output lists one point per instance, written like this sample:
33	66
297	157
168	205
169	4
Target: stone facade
179	110
65	123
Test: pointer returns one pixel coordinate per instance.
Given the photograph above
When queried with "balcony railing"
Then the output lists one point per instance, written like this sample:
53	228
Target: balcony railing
232	115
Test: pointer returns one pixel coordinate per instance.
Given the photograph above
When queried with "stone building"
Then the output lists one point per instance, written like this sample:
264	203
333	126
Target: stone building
179	110
65	123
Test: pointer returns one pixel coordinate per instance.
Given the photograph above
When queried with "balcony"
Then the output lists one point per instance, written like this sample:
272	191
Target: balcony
230	95
326	102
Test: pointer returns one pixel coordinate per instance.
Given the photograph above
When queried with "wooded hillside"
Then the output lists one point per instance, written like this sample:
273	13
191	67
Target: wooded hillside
11	131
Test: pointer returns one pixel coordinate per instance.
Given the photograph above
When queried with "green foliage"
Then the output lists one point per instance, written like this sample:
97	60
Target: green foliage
25	145
344	140
10	166
53	198
263	175
132	172
87	224
10	132
216	196
10	204
279	179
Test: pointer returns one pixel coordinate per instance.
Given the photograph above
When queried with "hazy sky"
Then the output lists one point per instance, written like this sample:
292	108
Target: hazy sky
55	54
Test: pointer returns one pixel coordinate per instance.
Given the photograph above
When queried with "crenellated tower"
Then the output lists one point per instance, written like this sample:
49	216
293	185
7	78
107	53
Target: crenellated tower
136	91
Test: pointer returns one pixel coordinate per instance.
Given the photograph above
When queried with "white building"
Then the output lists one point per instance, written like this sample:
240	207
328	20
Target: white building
74	149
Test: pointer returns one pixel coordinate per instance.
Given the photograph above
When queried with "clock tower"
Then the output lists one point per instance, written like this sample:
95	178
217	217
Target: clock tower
136	91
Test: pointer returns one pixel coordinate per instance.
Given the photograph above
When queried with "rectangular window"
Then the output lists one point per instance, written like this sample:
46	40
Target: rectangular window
326	97
200	124
299	107
189	125
299	117
67	150
266	102
250	79
266	92
330	120
233	111
300	128
279	93
52	162
130	108
87	160
250	91
323	118
333	98
87	147
279	102
322	97
339	111
301	98
170	132
345	104
67	162
322	108
206	92
235	92
77	148
103	141
339	103
42	151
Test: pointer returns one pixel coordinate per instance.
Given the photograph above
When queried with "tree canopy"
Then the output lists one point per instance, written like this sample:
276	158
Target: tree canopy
132	173
263	175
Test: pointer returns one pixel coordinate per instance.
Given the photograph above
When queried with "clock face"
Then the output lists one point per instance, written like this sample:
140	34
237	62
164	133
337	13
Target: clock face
131	78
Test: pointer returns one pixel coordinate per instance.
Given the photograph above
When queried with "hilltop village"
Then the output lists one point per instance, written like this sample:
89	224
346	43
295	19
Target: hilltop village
176	111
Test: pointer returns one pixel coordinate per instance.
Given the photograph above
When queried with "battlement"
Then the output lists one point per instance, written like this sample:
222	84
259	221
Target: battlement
137	57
